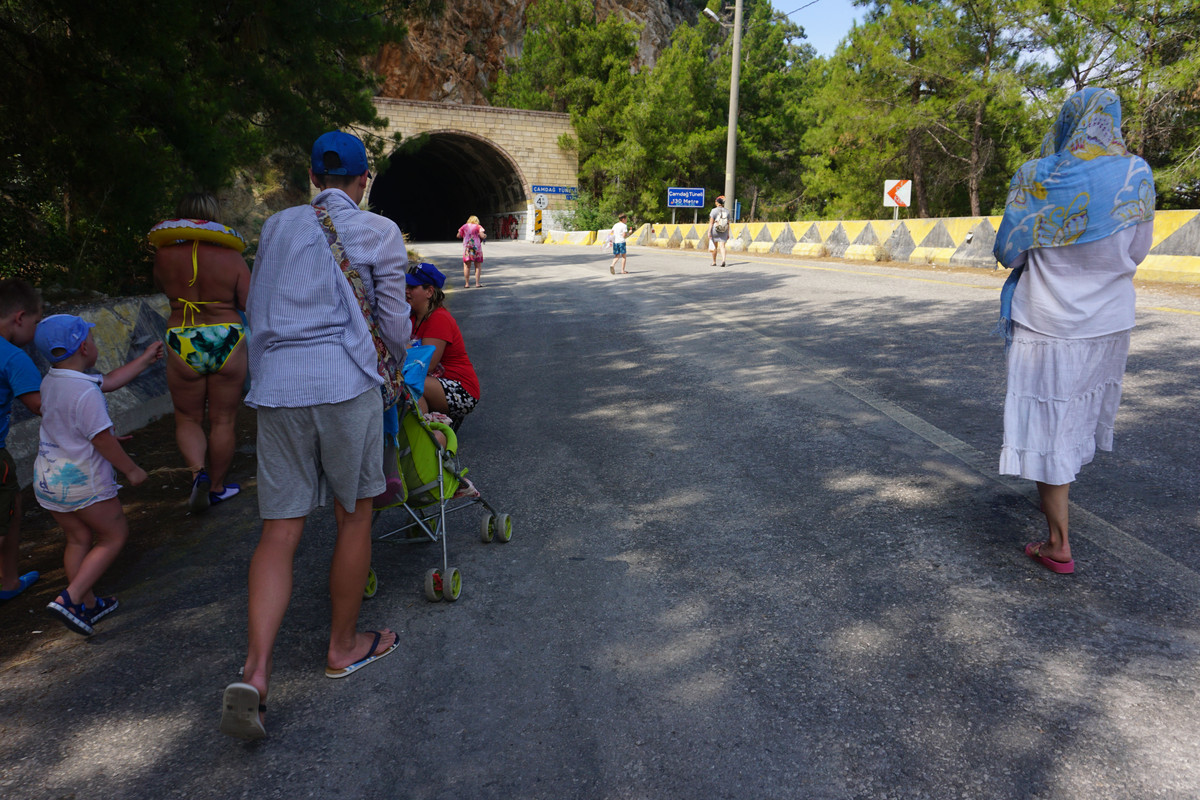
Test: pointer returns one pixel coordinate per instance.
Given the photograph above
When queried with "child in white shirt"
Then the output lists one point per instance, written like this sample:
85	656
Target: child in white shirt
619	232
73	473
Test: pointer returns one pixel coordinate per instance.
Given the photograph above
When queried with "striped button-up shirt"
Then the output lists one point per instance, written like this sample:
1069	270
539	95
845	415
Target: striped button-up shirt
309	343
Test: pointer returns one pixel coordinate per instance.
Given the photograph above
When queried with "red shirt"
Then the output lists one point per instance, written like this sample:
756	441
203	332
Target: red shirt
456	363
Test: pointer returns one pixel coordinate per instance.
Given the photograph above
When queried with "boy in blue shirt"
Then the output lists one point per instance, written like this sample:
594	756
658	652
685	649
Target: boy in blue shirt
20	310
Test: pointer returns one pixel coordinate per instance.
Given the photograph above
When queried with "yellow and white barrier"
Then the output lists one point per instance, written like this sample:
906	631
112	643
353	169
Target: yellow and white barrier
954	241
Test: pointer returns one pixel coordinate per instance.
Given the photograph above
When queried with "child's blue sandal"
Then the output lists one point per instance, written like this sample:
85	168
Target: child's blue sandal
73	615
104	606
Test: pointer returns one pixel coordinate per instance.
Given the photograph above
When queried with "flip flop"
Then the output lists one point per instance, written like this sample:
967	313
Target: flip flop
1033	550
371	656
240	707
25	581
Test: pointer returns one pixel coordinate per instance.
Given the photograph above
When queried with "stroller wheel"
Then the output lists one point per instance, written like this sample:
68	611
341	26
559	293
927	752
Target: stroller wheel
451	584
372	584
485	530
503	528
433	585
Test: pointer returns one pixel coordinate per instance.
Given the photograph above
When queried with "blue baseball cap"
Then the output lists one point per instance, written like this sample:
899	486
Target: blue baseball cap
58	337
349	148
424	274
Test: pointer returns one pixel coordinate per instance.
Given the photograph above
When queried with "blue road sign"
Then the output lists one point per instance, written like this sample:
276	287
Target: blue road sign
570	191
683	197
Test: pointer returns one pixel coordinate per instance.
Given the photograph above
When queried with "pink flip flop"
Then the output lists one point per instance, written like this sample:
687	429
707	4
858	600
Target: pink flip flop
1033	550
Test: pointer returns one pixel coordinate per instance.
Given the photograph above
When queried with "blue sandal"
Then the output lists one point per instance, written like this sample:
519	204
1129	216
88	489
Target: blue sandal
104	606
73	615
25	581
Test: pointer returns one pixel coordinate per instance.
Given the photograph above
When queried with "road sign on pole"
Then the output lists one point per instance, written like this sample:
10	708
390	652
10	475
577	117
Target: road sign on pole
683	197
570	191
897	194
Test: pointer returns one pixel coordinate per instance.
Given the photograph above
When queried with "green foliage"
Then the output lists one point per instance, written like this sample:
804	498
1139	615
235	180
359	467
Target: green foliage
1148	52
571	59
112	110
928	90
588	214
953	94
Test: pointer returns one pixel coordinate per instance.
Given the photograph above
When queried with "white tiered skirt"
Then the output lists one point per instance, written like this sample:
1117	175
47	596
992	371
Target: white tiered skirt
1061	403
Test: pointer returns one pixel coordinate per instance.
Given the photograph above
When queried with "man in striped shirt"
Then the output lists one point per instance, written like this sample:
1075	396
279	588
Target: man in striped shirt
316	386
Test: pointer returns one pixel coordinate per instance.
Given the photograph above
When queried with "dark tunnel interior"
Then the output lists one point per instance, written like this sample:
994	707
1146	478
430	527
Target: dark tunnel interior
434	181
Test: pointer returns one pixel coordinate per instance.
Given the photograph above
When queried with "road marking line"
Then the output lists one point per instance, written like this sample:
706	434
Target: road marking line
1170	310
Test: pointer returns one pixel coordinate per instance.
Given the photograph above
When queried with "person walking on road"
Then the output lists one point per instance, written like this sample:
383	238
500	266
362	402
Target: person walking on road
316	385
73	474
206	284
1077	223
619	232
473	236
718	229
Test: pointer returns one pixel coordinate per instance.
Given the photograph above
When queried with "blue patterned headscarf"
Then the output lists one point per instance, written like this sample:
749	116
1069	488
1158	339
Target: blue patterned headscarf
1085	187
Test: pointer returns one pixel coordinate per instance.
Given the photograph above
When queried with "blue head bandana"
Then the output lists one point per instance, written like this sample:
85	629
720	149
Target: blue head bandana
1085	187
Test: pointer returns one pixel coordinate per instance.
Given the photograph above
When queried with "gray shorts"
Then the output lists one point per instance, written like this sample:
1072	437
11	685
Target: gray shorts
303	452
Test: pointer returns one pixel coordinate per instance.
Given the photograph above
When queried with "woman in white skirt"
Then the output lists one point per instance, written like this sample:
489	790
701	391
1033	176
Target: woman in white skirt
1077	223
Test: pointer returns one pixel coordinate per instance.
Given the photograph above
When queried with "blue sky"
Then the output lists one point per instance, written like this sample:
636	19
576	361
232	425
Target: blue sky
825	22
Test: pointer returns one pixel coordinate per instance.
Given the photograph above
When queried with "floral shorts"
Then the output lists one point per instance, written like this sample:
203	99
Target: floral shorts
458	400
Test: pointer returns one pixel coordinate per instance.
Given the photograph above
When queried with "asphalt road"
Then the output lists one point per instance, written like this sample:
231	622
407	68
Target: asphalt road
760	550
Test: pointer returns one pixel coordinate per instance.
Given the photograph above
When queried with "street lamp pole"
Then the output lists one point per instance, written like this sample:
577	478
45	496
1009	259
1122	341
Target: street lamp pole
731	136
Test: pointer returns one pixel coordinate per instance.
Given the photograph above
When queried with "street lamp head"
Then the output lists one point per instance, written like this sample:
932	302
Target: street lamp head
708	12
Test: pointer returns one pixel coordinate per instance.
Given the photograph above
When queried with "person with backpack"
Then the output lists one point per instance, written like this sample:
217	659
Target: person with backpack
472	235
718	229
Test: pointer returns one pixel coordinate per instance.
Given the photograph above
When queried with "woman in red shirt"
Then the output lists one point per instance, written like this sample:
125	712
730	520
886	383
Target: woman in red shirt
452	387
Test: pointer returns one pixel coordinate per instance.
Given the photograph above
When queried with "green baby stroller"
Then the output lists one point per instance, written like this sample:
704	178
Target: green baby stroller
426	481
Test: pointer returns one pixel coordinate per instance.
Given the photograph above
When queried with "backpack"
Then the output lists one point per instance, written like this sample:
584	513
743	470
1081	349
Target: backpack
721	224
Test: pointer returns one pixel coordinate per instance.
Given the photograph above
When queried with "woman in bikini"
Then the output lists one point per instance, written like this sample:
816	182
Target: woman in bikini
207	284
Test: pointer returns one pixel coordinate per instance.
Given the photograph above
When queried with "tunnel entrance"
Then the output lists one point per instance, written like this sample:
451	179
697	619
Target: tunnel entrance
434	181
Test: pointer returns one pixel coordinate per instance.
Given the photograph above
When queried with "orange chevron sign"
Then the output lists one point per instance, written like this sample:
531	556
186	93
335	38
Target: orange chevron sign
897	194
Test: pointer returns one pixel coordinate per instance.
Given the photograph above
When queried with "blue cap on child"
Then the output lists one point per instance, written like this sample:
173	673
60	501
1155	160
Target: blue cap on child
58	337
425	274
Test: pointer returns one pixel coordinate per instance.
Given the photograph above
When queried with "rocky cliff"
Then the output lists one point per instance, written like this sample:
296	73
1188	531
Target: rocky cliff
455	56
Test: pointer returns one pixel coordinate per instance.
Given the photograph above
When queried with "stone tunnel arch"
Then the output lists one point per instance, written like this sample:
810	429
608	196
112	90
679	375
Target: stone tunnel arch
460	160
436	179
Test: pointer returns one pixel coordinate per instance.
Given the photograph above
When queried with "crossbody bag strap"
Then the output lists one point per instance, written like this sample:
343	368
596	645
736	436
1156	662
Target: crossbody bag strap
389	367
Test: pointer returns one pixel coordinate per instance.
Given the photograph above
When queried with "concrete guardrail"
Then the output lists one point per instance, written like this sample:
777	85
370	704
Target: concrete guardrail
955	241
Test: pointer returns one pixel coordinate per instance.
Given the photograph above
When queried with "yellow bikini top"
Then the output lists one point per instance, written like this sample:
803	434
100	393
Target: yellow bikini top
189	306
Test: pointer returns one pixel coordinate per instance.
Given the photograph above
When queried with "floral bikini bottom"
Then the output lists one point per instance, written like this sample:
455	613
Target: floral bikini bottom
205	348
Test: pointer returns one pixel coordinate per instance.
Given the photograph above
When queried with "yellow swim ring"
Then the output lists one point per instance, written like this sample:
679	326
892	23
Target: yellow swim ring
172	231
